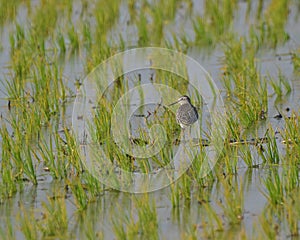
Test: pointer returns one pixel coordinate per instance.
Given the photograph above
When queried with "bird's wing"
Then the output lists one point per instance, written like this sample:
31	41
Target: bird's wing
186	115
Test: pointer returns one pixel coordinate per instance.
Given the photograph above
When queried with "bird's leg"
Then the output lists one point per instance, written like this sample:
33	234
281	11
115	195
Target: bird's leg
189	133
182	135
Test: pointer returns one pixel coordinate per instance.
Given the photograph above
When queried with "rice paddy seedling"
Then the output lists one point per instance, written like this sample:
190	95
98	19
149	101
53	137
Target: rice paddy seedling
143	38
80	196
74	41
169	9
31	84
69	148
144	166
106	16
17	40
259	9
245	153
8	171
202	177
270	153
99	52
278	86
158	25
87	35
291	136
230	160
160	14
264	30
101	135
15	91
132	10
102	124
275	16
234	129
47	154
18	159
44	19
175	195
185	187
93	186
296	59
61	43
29	165
245	88
8	11
214	25
178	42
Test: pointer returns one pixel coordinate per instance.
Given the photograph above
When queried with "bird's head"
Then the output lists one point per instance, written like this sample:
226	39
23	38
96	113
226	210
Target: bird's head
182	100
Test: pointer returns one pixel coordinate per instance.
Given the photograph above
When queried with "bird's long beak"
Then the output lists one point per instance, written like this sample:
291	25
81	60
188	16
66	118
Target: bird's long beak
173	103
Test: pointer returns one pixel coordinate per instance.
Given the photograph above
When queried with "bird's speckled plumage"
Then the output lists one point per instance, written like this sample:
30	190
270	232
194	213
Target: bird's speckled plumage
186	114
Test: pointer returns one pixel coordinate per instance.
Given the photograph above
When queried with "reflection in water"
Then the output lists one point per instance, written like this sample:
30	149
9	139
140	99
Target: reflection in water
116	209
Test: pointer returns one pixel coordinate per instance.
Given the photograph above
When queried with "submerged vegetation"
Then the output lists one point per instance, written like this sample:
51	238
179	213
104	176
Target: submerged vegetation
45	190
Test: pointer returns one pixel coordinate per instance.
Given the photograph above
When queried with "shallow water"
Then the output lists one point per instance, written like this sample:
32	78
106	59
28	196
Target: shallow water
172	222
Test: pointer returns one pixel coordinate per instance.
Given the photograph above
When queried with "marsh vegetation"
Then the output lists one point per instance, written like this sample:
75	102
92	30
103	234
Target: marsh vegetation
252	51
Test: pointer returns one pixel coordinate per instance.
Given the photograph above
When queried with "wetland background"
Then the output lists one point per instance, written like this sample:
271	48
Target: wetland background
252	51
